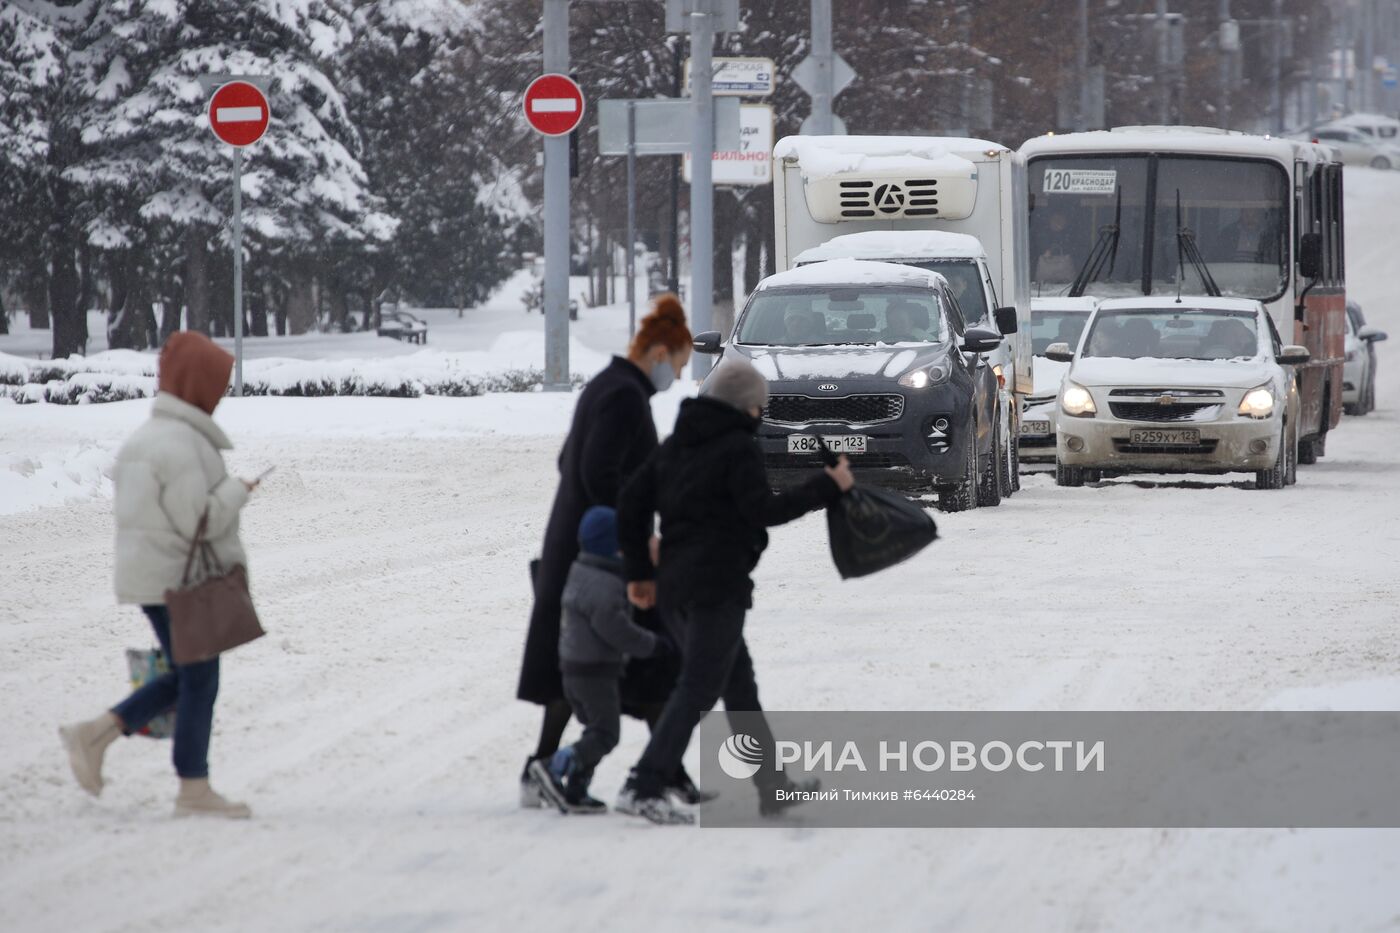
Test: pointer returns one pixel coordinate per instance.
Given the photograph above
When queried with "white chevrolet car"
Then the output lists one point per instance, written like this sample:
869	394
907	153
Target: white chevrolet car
1053	320
1178	385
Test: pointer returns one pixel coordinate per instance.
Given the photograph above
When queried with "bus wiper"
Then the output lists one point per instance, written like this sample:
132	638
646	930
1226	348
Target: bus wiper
1105	251
1186	247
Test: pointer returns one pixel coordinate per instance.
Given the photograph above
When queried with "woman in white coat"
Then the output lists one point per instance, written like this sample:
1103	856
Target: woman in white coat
168	474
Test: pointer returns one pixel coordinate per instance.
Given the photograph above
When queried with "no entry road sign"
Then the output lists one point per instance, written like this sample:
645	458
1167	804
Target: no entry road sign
553	105
238	113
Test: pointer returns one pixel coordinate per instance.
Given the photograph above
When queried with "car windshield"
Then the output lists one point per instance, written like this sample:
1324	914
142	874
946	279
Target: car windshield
1174	334
1234	210
965	279
1049	327
827	315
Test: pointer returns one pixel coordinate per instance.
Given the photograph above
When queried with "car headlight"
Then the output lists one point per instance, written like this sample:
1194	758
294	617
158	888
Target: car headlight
923	378
1075	400
1258	403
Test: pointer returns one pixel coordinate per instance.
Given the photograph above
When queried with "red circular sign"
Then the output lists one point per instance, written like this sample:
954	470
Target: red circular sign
238	113
553	104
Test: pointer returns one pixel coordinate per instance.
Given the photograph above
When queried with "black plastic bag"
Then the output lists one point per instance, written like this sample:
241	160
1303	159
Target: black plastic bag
872	528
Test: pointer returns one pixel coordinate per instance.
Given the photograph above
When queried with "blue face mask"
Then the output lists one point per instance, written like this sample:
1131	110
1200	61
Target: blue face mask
662	375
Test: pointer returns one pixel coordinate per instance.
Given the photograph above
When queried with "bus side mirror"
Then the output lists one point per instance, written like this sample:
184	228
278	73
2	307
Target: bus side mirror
1310	255
1006	320
708	343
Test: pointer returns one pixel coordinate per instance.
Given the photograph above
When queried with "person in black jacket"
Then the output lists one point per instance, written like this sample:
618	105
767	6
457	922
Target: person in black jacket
612	434
709	485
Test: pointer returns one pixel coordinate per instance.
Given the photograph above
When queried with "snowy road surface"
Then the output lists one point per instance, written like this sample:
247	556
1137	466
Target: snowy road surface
375	734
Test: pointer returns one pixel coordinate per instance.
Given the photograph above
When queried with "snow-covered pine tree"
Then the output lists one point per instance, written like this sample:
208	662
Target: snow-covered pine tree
38	225
158	175
417	90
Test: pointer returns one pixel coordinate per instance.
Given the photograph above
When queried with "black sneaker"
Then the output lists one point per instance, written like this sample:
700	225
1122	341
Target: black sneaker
638	801
660	810
683	789
770	805
586	804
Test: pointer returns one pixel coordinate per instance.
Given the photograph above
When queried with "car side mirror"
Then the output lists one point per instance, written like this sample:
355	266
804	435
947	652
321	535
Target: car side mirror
1372	334
1293	355
1310	255
1060	353
1006	320
980	340
710	343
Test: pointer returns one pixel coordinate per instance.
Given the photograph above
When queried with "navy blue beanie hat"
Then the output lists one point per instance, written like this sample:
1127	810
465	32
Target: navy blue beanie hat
597	533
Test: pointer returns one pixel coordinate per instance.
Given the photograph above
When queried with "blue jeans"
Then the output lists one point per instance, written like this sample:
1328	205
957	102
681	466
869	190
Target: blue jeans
190	689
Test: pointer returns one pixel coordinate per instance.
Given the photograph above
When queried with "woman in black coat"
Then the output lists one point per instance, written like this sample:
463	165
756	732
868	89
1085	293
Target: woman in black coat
612	434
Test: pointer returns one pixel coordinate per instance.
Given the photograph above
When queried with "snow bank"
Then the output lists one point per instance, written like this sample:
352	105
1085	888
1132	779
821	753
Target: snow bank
37	481
510	365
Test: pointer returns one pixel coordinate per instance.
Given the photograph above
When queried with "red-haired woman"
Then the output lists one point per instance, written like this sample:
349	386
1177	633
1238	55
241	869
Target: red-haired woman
611	435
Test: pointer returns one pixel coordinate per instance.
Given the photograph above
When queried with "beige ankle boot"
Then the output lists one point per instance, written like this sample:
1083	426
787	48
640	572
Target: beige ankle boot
197	798
87	743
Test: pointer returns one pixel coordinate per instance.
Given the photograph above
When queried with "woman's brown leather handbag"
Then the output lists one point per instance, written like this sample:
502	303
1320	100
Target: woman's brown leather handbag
216	614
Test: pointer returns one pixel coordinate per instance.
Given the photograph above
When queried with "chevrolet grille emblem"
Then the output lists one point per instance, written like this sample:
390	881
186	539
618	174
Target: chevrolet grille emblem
1166	400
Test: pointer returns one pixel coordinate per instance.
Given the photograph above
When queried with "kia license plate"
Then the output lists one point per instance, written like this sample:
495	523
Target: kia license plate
1165	437
839	443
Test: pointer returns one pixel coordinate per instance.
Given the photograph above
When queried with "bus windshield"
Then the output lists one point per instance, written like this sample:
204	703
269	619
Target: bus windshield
1234	211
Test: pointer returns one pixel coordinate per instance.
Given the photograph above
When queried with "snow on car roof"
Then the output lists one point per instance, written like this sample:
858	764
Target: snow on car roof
853	272
1188	303
896	244
823	156
1202	139
1086	303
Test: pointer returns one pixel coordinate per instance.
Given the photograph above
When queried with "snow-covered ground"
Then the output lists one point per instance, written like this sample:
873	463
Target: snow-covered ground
376	735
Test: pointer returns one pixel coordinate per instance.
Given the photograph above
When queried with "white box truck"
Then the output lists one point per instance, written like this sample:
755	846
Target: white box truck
828	186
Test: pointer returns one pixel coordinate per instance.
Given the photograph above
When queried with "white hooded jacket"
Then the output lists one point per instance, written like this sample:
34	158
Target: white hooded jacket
167	474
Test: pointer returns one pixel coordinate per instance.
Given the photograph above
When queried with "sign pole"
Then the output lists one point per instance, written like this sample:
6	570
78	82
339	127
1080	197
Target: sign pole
556	212
702	260
237	272
631	218
239	116
822	124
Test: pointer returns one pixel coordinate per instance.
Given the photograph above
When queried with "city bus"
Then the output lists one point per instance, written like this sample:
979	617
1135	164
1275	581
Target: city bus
1198	211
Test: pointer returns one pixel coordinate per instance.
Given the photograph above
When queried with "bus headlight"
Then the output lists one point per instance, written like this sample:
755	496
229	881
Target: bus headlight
1257	403
1075	400
923	378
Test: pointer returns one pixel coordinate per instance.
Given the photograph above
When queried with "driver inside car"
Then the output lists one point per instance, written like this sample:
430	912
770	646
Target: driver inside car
804	327
900	320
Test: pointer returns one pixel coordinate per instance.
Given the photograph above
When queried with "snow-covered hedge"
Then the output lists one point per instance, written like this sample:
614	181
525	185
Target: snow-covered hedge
118	376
